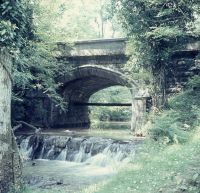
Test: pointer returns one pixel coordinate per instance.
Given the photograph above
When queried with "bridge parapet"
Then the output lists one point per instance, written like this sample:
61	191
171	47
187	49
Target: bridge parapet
96	47
109	53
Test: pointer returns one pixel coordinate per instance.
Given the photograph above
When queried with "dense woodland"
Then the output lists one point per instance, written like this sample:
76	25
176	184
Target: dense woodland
155	30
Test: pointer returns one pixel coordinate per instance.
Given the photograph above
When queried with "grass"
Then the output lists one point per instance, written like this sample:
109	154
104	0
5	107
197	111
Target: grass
157	168
160	168
168	164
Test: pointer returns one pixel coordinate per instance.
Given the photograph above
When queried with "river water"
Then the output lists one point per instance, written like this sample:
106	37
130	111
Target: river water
71	163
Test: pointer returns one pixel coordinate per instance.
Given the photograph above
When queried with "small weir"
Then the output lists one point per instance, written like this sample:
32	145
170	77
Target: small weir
75	162
75	149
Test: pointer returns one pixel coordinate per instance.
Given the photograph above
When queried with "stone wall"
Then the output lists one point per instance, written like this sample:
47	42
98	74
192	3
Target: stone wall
99	47
183	66
109	53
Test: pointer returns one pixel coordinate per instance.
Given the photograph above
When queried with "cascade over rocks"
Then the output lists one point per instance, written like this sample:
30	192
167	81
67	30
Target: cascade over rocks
74	149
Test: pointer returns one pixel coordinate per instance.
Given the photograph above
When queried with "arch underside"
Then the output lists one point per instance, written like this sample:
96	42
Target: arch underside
80	90
79	86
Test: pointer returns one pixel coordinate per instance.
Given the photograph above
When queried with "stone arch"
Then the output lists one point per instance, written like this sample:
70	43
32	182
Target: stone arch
98	71
86	80
82	83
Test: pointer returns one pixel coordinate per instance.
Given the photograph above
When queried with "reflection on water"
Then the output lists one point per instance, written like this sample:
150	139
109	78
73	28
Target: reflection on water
114	125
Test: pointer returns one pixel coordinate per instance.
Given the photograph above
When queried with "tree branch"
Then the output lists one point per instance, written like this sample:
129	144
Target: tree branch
27	125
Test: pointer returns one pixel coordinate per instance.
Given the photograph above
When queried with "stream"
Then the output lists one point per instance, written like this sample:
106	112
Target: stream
71	163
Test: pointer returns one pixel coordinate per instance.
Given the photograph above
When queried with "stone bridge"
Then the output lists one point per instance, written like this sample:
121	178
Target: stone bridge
95	65
98	64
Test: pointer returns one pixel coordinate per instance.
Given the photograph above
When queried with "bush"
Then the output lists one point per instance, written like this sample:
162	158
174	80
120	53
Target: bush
168	129
183	115
194	83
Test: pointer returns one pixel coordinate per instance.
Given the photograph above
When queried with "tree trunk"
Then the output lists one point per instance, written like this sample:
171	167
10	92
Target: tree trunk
102	19
10	170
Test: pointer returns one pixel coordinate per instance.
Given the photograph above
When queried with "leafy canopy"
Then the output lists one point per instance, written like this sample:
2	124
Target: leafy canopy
155	29
15	23
156	26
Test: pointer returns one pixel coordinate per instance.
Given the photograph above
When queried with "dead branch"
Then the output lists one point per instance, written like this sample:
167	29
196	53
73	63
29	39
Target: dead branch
15	128
27	125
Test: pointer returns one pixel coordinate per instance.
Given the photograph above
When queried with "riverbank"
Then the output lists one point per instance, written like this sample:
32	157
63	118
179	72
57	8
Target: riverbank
71	163
167	162
157	168
160	168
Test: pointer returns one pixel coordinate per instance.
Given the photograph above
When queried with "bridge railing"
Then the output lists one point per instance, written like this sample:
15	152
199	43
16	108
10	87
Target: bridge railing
97	47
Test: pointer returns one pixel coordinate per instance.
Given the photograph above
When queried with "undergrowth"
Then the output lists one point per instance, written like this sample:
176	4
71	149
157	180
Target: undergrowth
168	162
175	124
160	168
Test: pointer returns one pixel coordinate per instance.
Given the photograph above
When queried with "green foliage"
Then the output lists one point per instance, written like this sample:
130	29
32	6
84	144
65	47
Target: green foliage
75	19
164	33
112	114
155	29
167	129
159	168
174	125
15	23
47	17
111	95
7	33
36	68
194	83
153	20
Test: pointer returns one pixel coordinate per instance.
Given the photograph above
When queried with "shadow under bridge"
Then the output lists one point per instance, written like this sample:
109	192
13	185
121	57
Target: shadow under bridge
79	86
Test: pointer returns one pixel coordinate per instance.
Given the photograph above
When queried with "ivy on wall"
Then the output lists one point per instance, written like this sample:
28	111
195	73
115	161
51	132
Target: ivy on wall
155	28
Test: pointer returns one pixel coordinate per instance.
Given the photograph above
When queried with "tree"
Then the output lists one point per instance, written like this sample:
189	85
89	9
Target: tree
80	19
14	28
6	166
36	68
155	28
106	20
10	163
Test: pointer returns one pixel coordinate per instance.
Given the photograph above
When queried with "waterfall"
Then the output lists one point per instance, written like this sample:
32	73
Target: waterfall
90	150
82	154
25	148
62	156
50	153
112	155
41	153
